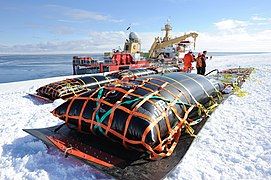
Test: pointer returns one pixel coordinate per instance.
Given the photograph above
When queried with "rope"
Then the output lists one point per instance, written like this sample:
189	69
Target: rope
238	91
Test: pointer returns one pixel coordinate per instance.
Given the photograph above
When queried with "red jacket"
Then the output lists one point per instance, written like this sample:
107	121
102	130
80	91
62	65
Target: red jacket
187	60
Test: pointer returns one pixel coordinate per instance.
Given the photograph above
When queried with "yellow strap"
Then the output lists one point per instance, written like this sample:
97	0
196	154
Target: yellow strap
189	129
238	91
71	88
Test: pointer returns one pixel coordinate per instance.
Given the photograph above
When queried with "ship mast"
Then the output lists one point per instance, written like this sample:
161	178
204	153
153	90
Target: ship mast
167	28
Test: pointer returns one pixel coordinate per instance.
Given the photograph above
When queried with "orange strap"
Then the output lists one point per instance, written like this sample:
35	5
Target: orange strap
75	152
165	146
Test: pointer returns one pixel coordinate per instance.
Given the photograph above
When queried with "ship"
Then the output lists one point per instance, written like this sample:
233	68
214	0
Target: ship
134	123
164	50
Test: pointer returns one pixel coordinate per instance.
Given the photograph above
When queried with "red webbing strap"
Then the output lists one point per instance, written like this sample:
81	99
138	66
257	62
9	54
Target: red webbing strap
166	145
116	105
176	97
158	107
176	133
169	143
99	124
75	152
117	134
121	107
67	112
114	108
80	116
133	112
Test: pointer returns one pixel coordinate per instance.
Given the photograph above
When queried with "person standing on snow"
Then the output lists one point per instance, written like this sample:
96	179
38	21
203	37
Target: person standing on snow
204	62
187	61
201	63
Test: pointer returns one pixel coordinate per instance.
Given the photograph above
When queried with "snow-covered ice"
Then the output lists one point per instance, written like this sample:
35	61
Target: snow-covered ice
234	143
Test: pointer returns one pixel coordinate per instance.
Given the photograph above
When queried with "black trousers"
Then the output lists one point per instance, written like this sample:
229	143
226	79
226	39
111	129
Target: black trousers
201	70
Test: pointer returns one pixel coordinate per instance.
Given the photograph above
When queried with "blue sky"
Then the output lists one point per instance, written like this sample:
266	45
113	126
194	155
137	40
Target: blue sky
33	26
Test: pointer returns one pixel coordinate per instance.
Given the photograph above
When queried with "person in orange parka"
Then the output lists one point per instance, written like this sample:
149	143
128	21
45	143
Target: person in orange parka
187	61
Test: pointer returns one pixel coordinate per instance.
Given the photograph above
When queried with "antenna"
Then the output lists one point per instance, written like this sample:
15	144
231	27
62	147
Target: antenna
129	27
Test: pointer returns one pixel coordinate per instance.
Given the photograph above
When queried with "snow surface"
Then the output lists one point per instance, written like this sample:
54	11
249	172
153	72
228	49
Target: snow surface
234	143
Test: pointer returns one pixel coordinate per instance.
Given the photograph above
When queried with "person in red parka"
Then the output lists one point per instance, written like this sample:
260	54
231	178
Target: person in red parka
187	61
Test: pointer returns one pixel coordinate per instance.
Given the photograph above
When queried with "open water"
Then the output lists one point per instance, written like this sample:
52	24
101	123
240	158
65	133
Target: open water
27	67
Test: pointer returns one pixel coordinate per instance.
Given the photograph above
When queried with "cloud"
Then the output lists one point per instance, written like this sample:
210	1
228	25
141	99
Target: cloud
78	14
235	26
260	21
116	20
55	29
47	47
66	21
230	35
3	46
73	14
62	30
107	36
255	42
97	42
231	25
258	18
252	34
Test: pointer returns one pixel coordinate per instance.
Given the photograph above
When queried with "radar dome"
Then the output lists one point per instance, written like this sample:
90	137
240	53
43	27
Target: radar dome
133	37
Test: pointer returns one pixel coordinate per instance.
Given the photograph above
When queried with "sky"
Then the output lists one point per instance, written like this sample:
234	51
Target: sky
84	26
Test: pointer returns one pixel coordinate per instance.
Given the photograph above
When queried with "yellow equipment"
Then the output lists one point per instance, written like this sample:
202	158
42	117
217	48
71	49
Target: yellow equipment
167	41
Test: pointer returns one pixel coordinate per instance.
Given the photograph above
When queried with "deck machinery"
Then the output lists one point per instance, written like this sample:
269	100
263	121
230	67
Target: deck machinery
132	58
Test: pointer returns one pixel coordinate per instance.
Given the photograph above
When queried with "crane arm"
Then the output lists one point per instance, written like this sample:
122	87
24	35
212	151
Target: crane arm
153	46
159	45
